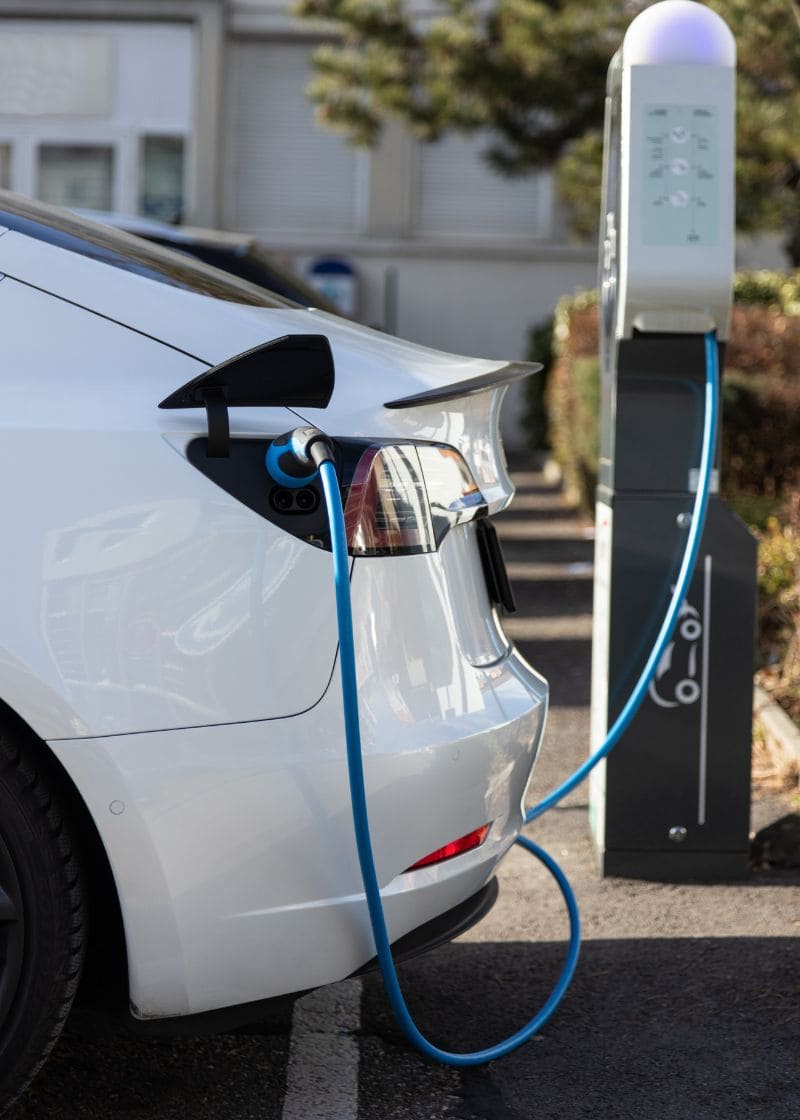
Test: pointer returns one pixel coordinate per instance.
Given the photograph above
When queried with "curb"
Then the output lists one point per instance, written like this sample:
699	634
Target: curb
778	728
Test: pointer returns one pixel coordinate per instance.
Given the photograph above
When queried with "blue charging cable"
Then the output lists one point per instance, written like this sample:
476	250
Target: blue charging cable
355	766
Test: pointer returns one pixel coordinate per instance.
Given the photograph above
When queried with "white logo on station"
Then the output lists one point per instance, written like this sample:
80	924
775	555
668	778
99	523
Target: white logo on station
686	690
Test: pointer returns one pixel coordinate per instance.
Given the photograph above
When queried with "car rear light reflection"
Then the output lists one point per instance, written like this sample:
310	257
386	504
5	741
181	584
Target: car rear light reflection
458	847
403	498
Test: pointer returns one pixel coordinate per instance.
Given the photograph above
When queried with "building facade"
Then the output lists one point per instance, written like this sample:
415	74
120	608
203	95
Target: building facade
195	110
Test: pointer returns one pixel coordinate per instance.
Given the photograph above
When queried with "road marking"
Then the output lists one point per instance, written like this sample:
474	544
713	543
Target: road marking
550	529
322	1072
541	503
538	572
534	628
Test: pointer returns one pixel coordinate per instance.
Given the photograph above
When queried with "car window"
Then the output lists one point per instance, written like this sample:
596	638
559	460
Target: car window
121	250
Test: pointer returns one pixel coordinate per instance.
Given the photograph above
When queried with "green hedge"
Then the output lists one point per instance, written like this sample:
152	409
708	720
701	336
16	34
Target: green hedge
779	290
572	395
760	395
760	443
779	607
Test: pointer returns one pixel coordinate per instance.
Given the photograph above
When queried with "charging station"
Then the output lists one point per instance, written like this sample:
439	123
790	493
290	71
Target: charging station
675	570
672	801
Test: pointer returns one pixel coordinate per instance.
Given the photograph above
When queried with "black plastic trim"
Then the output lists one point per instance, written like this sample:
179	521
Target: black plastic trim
294	371
505	375
495	572
219	430
241	472
442	929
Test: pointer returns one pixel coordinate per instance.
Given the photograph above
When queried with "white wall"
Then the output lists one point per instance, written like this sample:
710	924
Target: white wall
473	260
764	251
94	83
447	253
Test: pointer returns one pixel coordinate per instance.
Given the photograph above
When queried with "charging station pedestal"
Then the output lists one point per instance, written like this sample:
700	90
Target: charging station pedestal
672	800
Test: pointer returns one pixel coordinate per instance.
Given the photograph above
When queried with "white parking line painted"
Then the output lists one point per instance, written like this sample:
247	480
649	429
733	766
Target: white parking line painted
550	529
322	1072
534	628
541	502
543	570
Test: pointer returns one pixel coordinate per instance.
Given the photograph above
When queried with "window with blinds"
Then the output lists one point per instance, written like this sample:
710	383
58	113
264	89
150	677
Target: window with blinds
77	175
458	193
284	173
161	178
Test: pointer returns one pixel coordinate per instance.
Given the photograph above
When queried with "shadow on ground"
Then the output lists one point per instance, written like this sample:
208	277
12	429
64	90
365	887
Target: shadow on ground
663	1028
566	665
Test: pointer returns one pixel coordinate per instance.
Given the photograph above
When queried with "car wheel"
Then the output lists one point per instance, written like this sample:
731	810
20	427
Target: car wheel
42	926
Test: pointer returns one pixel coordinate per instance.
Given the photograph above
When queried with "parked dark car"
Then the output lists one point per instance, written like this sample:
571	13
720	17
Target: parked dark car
241	254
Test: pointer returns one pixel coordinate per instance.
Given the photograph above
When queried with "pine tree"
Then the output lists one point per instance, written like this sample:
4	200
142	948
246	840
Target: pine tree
527	71
529	75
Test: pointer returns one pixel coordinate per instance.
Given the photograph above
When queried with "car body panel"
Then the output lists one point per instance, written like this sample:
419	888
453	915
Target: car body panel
177	651
371	367
233	849
139	595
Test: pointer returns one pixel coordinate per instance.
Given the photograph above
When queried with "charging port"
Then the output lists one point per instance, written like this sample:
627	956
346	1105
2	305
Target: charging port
284	500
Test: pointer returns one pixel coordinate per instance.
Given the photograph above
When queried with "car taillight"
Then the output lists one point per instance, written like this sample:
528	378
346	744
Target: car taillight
466	843
404	497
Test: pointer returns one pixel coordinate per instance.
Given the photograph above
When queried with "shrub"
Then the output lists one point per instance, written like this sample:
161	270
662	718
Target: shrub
573	396
534	418
760	443
779	607
760	396
774	289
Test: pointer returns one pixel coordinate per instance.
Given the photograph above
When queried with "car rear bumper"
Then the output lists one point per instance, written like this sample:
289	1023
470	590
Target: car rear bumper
232	846
438	931
428	936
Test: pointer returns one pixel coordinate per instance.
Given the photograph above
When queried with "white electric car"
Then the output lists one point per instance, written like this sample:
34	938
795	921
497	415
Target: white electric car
174	808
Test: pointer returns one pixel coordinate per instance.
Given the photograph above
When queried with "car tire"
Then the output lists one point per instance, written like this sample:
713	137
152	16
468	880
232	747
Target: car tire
42	917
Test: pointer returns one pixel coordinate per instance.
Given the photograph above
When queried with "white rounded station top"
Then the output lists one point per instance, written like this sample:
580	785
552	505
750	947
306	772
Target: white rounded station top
679	32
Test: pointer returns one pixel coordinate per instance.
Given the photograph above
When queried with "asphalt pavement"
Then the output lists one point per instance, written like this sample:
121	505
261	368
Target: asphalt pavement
685	1006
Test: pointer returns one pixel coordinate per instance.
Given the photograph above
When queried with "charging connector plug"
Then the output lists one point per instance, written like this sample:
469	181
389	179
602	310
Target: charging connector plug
310	444
294	458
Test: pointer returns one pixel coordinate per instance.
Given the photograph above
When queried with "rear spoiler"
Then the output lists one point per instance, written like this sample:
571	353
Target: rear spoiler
513	371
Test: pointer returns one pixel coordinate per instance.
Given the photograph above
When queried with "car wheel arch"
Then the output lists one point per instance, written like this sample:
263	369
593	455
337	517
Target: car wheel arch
105	969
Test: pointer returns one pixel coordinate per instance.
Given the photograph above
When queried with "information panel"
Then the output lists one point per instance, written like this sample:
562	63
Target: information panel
681	175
